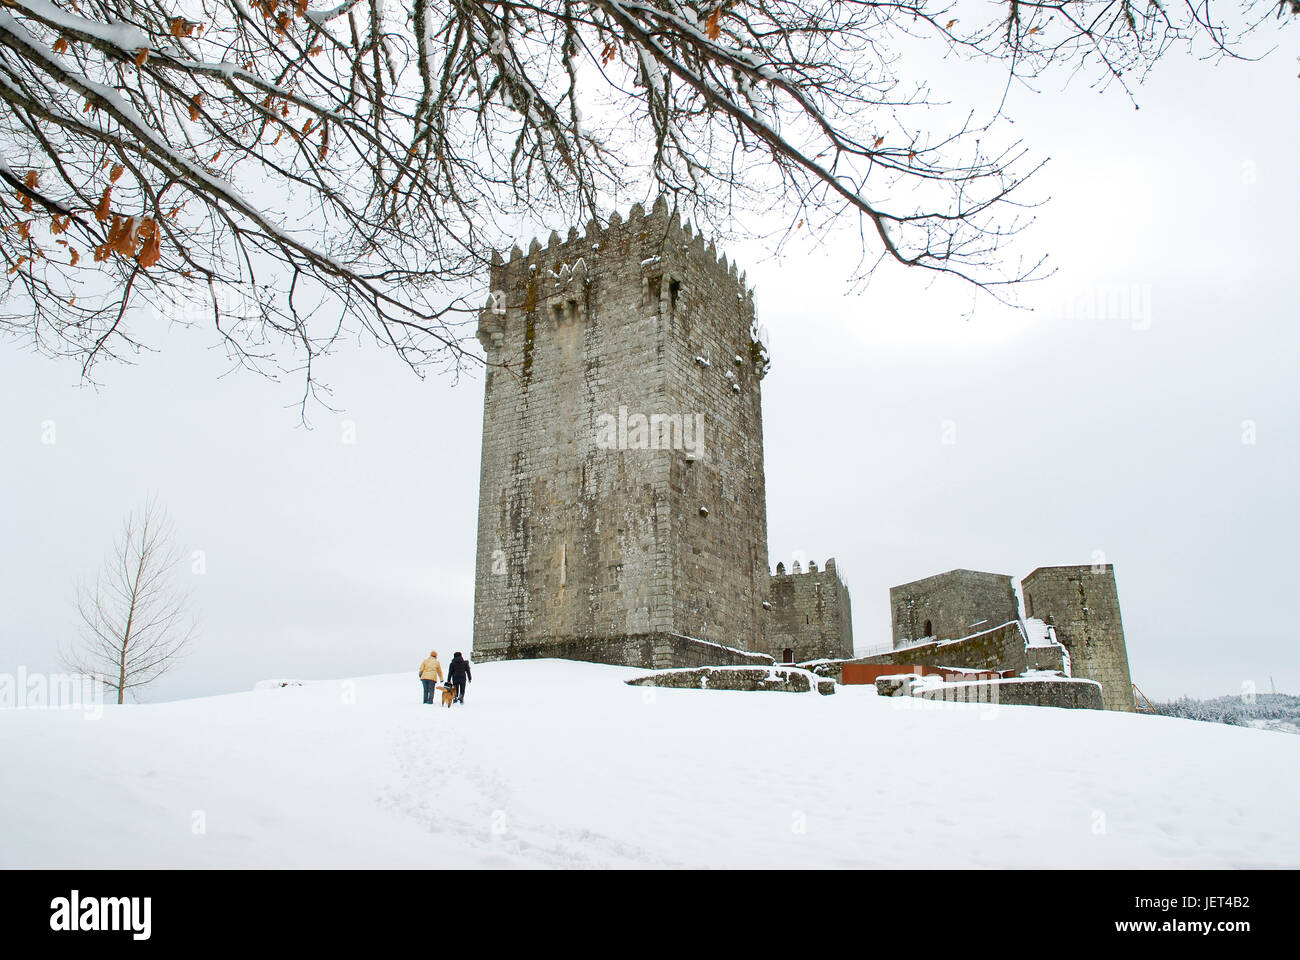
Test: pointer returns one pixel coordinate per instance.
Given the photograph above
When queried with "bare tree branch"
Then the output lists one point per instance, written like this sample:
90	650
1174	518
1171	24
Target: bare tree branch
292	175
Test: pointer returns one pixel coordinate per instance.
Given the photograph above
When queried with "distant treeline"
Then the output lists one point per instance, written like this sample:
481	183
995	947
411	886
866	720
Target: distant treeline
1239	710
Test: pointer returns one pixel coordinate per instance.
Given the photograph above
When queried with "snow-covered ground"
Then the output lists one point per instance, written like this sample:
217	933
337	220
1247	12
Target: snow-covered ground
553	763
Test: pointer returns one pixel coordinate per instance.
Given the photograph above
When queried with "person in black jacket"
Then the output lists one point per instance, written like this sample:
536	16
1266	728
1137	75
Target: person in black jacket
458	675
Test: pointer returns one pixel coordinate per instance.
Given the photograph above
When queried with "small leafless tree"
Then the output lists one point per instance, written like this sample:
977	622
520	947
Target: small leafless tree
135	620
309	169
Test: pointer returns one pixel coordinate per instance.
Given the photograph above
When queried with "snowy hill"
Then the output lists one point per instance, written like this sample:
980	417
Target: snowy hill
553	763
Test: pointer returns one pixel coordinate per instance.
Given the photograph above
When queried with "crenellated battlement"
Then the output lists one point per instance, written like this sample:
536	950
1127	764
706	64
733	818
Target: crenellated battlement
796	569
554	282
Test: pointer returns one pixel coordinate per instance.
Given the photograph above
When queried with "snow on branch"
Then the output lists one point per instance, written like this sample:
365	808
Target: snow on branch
308	173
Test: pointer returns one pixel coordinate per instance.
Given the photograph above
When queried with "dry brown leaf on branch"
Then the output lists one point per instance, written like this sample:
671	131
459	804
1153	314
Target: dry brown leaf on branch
141	56
116	173
75	257
195	102
61	45
22	196
118	234
151	251
712	27
103	211
121	237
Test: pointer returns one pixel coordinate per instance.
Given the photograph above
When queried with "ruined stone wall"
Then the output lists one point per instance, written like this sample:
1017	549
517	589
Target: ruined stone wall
999	649
621	489
810	614
955	604
1065	692
1082	603
773	680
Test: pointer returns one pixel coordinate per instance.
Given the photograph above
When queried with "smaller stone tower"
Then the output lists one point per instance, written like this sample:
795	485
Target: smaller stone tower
809	614
1082	603
952	605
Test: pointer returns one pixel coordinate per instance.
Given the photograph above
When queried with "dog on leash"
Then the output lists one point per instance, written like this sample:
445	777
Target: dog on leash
448	694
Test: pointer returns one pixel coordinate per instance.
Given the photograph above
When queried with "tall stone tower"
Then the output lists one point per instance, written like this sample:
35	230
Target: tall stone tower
1082	602
622	513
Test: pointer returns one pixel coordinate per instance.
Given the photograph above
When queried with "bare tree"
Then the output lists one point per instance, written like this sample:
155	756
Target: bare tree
135	621
309	170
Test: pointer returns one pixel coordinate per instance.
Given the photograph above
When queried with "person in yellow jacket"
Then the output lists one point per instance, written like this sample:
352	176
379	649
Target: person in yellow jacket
430	674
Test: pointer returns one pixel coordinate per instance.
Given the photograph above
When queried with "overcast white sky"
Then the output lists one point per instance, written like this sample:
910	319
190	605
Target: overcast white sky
1075	432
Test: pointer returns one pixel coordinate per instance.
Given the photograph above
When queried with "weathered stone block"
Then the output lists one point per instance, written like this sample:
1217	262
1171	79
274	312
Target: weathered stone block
896	686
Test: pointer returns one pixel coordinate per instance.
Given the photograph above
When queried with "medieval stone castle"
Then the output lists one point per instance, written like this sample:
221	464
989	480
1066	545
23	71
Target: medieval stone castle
622	508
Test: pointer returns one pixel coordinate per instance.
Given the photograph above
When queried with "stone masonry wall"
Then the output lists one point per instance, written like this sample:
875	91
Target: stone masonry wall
659	651
718	499
1082	603
810	614
999	649
1059	692
956	604
773	680
621	489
